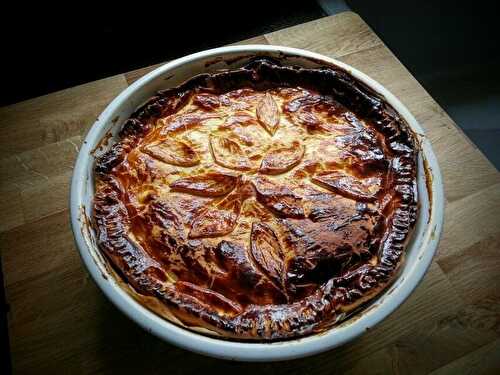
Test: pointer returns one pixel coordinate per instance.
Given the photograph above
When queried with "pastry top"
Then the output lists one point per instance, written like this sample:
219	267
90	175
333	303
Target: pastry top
262	203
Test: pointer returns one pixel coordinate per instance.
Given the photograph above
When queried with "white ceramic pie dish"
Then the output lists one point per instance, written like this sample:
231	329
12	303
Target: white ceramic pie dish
420	250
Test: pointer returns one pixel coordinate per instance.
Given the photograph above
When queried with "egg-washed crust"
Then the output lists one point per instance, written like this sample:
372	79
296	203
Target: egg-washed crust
261	203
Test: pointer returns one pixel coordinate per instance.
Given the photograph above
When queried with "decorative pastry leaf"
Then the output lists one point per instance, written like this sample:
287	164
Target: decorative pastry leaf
307	100
307	119
247	283
185	122
282	158
172	152
208	296
221	219
229	154
279	199
267	252
349	186
268	113
213	223
211	184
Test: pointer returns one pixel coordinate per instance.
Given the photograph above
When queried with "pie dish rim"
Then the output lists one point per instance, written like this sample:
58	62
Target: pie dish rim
425	237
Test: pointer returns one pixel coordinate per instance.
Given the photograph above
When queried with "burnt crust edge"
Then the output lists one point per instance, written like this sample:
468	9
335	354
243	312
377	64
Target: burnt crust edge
318	311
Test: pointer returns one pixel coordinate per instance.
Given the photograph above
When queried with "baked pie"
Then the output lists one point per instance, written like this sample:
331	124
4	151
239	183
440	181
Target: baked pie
260	203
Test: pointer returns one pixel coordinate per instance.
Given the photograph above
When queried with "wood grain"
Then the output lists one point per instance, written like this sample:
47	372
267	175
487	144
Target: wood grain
35	183
474	271
55	117
60	322
475	215
335	36
482	361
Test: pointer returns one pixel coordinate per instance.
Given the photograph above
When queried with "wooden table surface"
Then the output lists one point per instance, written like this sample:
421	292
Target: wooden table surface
59	322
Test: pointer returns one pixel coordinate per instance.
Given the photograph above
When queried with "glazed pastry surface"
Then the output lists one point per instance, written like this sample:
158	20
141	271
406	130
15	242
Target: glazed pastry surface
260	203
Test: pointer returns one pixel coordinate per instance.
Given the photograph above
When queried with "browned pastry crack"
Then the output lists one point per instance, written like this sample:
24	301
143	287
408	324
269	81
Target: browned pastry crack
259	203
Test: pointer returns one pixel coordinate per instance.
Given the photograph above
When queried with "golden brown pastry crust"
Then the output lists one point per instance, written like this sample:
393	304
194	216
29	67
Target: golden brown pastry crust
259	203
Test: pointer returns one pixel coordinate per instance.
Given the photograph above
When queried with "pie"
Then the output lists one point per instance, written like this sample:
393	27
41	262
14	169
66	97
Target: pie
260	203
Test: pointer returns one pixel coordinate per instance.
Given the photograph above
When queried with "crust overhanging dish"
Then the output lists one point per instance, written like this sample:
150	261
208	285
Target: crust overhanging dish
260	203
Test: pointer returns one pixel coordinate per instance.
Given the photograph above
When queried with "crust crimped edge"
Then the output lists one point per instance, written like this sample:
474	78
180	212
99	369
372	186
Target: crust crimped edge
336	298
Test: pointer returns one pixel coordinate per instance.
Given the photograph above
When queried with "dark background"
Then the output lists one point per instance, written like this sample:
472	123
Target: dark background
453	49
49	49
76	44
